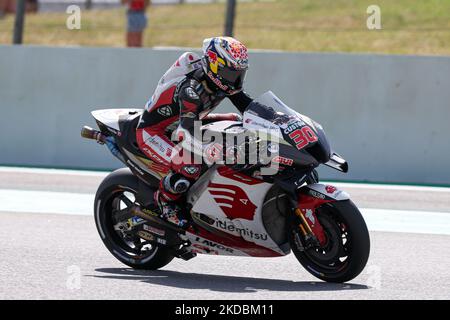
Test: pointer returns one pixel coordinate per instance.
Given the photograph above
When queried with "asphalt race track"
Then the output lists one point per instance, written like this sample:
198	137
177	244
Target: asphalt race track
50	249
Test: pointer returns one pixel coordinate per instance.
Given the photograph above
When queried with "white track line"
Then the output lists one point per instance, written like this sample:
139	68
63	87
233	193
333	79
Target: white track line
54	171
82	204
337	184
377	186
407	221
46	202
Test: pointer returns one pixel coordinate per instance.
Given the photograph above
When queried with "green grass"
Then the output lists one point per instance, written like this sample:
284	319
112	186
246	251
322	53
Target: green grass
408	26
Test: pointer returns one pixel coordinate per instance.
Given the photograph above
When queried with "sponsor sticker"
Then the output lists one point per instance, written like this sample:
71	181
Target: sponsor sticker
146	214
240	231
303	137
291	125
134	221
217	82
316	194
283	160
203	249
145	235
213	245
154	230
255	121
161	241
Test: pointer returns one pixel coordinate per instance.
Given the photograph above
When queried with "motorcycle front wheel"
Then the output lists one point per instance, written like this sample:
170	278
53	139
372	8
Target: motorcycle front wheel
347	247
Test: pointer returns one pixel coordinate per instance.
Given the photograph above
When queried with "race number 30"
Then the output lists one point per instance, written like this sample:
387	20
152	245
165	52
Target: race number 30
303	137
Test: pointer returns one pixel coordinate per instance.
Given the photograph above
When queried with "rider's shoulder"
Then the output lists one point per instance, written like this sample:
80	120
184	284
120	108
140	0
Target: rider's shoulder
189	59
190	90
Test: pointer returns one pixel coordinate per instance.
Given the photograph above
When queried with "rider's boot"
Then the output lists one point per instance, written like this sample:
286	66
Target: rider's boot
169	197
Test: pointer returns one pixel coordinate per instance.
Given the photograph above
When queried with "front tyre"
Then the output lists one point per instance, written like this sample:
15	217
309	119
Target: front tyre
117	192
347	248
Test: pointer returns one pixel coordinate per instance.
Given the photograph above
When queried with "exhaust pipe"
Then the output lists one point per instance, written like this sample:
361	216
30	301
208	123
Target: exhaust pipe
89	133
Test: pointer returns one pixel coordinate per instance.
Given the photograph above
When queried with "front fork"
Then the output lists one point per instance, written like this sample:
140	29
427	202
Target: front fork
304	208
308	223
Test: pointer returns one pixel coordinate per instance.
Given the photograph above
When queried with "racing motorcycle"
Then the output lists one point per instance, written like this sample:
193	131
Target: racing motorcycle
236	212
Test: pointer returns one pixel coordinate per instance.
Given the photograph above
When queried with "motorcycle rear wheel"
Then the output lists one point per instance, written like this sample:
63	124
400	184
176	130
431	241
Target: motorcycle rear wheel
346	252
116	191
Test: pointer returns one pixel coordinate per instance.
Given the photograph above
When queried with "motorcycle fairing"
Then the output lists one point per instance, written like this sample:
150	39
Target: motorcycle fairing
206	242
337	162
214	242
233	202
324	192
111	117
269	112
122	124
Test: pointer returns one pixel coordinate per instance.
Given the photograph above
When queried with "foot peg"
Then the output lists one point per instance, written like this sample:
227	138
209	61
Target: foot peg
185	254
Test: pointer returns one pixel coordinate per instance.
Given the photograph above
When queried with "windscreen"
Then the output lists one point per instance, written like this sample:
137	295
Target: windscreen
297	129
269	107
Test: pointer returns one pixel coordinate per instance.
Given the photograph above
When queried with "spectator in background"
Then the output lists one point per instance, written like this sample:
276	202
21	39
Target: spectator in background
32	5
136	21
6	6
9	6
2	8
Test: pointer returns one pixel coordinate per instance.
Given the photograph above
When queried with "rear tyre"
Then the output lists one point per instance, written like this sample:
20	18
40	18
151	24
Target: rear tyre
116	192
346	252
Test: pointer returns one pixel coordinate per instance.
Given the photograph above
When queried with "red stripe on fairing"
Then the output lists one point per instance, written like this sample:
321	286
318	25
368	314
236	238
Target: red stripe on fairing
234	242
165	98
222	193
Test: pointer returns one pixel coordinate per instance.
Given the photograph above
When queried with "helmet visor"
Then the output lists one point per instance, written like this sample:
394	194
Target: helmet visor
232	77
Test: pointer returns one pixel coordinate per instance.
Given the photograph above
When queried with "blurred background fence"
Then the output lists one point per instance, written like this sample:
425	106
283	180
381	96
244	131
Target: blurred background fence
387	115
61	5
407	27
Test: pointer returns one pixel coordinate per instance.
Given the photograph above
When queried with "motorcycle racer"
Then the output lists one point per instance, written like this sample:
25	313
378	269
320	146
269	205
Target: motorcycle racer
191	88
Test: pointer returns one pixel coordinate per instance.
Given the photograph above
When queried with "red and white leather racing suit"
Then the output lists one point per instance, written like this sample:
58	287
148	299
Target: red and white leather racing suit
181	97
